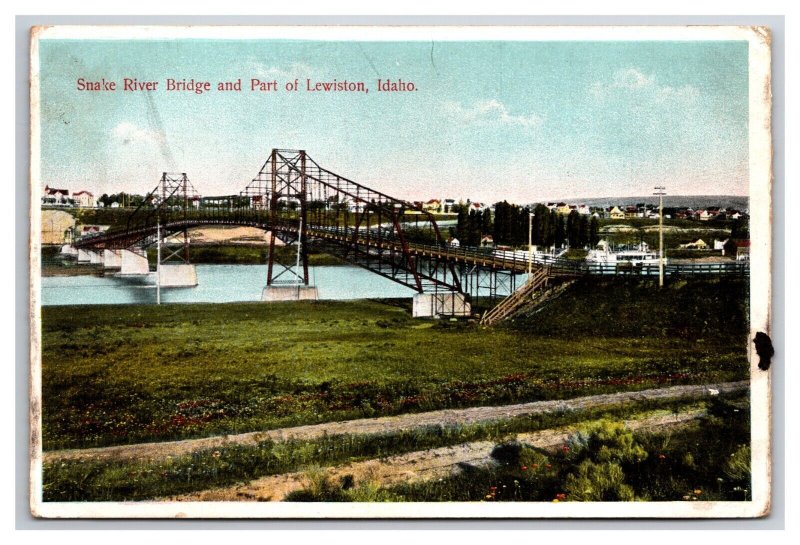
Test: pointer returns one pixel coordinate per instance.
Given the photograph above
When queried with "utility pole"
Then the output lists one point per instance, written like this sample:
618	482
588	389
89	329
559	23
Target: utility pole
660	191
158	262
530	243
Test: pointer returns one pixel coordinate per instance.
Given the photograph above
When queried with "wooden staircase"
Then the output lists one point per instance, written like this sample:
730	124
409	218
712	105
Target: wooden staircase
536	281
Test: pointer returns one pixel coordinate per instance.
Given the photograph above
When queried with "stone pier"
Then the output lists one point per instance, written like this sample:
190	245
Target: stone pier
84	256
112	259
289	293
177	275
68	249
439	305
133	263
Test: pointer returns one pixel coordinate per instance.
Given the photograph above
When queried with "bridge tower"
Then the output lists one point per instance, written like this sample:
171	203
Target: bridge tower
173	199
287	272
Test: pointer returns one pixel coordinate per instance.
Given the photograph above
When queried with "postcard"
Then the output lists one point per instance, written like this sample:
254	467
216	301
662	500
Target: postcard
400	272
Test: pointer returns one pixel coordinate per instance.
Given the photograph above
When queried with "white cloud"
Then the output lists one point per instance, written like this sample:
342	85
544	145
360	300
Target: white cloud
488	112
631	81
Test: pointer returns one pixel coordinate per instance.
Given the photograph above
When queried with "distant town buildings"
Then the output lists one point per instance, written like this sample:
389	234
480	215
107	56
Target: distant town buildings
57	197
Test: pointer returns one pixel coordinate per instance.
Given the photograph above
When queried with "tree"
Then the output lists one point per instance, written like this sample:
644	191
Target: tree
573	229
594	232
541	225
583	231
740	229
559	232
486	222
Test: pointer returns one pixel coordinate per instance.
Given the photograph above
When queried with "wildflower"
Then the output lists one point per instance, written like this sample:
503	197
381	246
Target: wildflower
561	496
686	497
549	466
662	457
492	488
565	448
524	468
697	492
216	454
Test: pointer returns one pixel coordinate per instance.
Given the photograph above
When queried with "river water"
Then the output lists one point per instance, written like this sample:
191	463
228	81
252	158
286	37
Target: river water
216	284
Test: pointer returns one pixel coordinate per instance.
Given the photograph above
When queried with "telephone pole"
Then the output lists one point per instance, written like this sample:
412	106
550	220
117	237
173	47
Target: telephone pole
530	243
660	191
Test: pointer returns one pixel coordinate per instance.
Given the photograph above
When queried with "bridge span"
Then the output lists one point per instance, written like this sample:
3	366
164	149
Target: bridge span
307	207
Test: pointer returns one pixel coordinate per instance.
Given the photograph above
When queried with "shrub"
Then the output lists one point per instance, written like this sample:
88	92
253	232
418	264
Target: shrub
598	482
737	468
607	442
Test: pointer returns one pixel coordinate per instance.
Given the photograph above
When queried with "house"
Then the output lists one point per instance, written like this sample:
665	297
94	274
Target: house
616	214
433	205
91	229
708	214
583	210
720	245
738	248
487	241
563	208
631	212
453	242
552	205
478	207
698	244
83	199
56	197
356	207
448	205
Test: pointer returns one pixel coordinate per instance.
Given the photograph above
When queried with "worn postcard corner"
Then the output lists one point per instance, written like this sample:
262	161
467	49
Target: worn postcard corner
400	272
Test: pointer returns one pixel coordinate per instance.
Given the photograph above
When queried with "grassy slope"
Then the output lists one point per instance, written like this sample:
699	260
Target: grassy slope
126	374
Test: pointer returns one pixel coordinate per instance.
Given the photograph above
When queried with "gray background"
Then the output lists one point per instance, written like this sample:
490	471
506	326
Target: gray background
23	519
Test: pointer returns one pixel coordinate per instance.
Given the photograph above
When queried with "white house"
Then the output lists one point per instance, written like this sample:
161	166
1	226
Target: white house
56	197
83	199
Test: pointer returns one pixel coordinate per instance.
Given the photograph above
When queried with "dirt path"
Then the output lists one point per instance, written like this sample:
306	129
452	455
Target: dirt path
156	451
411	467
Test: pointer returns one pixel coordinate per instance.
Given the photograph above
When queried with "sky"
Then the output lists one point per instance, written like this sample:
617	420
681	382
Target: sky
521	121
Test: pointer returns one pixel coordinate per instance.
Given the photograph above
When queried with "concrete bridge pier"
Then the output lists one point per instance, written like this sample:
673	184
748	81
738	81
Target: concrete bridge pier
84	256
112	259
133	264
95	258
289	292
177	275
440	305
69	249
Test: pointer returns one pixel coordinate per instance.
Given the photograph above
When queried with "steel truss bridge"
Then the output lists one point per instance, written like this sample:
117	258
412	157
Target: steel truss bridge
310	208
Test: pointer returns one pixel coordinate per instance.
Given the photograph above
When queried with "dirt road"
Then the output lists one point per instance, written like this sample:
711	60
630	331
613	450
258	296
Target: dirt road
410	467
161	450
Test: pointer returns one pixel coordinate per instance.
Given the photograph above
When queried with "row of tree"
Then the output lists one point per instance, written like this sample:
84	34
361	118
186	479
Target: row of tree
511	223
123	199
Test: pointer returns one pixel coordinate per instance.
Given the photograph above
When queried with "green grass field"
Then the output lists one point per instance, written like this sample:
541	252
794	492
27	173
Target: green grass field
123	374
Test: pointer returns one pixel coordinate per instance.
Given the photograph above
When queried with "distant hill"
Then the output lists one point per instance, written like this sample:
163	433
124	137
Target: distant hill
737	202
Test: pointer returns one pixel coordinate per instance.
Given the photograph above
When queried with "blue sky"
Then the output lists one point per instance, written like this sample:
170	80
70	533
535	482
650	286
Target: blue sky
522	121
